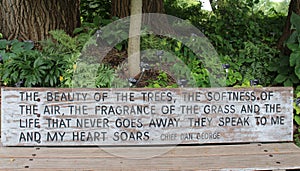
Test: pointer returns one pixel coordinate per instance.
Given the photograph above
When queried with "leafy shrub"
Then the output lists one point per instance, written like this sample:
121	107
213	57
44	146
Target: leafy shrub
183	63
16	57
238	30
185	9
28	68
294	44
296	106
162	81
13	48
248	38
63	51
92	10
288	67
255	60
105	76
52	66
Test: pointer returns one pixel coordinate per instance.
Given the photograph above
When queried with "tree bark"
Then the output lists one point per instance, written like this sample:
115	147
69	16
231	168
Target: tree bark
121	8
293	7
33	19
159	24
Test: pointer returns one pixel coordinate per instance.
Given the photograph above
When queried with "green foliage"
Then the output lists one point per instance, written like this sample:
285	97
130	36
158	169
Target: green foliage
233	75
28	66
294	44
63	53
162	81
85	75
292	66
271	8
286	75
195	66
32	67
105	76
16	65
243	36
92	10
297	138
182	63
52	66
184	9
117	34
241	33
297	109
288	67
13	48
255	60
247	38
296	106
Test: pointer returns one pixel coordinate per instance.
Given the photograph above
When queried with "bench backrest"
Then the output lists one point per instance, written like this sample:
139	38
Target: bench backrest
63	117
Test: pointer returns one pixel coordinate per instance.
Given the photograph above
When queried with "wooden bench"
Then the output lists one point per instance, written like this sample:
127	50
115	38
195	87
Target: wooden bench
274	156
187	155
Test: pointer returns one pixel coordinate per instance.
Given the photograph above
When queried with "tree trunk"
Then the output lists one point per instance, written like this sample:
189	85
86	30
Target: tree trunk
121	8
33	19
134	38
293	7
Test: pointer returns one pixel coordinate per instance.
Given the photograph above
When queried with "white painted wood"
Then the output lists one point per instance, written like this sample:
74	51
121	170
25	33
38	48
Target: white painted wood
168	116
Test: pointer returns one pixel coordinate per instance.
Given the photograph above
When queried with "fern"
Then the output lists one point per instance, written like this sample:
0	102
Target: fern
65	40
105	76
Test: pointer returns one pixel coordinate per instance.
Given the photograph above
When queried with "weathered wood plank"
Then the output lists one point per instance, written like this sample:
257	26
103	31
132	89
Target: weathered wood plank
17	152
135	152
250	162
223	157
66	117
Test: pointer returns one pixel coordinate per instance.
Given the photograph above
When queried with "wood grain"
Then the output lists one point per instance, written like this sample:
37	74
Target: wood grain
222	157
119	117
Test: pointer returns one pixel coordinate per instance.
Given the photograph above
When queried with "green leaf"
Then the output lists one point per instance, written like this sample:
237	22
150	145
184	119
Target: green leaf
156	85
238	76
288	83
292	39
284	70
293	46
295	20
78	30
296	108
97	20
297	119
273	66
297	71
280	78
28	45
119	47
295	58
294	79
93	5
17	47
3	44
